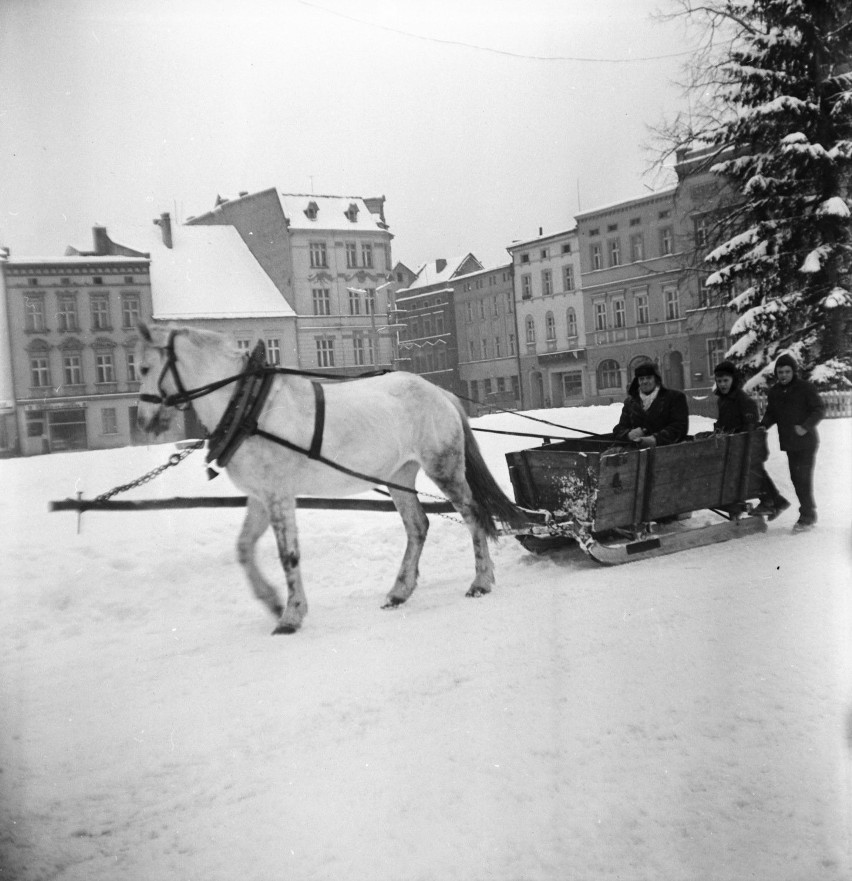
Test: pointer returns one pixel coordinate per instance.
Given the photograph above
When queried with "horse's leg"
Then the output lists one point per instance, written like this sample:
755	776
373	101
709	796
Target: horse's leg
253	527
448	474
282	516
416	526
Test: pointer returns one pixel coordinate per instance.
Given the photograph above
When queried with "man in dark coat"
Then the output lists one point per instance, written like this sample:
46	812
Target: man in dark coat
794	405
652	415
738	412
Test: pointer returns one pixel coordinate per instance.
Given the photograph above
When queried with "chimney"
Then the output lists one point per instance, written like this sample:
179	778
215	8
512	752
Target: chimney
541	230
101	240
165	224
440	264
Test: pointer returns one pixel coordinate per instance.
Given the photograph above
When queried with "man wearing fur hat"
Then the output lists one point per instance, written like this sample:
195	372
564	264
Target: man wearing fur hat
738	412
652	415
794	405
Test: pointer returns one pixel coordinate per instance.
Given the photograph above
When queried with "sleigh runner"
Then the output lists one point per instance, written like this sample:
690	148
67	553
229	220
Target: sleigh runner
620	503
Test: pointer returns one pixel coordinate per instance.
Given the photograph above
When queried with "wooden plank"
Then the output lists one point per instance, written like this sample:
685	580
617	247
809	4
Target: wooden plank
180	502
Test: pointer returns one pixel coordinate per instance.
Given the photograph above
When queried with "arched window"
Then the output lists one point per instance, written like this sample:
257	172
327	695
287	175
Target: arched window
530	326
609	374
572	322
550	326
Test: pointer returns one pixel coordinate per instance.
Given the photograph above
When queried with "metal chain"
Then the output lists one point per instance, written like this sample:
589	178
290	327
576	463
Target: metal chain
174	459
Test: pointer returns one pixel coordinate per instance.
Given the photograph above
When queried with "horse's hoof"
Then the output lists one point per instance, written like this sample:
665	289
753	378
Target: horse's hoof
393	602
284	628
477	592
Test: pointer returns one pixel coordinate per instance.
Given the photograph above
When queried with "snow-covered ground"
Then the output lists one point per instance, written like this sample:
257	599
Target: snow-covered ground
686	717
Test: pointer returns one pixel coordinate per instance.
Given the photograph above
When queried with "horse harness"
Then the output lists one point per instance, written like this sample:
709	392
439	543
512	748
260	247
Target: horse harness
240	419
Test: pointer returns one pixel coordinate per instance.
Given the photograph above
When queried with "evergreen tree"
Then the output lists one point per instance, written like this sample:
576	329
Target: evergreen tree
776	108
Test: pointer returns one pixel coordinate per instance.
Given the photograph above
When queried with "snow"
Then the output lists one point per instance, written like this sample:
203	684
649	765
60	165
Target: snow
834	206
679	718
332	213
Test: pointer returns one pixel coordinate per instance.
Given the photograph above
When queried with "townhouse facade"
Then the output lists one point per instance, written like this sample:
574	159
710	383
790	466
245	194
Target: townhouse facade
426	313
72	335
330	259
551	319
487	328
634	296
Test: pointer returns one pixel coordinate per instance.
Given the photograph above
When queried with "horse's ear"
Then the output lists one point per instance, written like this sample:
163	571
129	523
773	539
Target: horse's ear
144	332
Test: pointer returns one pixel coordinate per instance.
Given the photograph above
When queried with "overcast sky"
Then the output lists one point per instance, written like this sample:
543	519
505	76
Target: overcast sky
112	111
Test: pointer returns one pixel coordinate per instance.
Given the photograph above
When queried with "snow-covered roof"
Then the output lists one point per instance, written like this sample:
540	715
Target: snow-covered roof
341	213
669	192
209	272
72	259
430	274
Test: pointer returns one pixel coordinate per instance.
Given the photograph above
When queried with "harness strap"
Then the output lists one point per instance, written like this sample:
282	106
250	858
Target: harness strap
319	422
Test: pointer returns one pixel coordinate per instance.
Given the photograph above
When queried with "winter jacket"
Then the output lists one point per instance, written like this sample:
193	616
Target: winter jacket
667	418
737	410
797	403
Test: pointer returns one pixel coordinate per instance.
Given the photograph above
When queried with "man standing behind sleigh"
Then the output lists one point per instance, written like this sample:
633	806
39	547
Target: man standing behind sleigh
796	407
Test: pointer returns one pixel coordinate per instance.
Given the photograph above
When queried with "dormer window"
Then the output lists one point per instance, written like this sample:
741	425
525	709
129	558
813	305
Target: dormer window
351	213
312	210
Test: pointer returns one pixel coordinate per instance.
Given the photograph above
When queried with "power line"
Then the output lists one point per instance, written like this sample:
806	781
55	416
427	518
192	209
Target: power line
492	50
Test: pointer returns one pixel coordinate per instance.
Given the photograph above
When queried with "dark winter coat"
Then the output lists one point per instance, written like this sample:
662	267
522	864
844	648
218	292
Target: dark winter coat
667	419
737	410
797	403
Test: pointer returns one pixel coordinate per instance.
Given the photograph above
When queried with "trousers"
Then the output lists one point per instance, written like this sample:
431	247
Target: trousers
801	464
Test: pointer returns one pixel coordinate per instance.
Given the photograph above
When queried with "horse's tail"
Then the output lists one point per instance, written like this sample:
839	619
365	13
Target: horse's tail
491	502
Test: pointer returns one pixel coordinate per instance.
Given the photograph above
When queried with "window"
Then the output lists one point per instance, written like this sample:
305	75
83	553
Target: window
701	231
319	257
132	372
530	328
97	280
273	351
611	227
618	315
32	282
664	214
325	352
545	253
244	345
568	278
66	316
597	257
566	248
666	240
128	279
370	301
427	325
469	310
571	317
351	255
367	255
471	350
104	367
100	313
550	327
501	384
482	308
39	371
547	282
322	301
354	302
484	348
526	287
497	347
716	349
495	309
34	314
637	247
358	348
439	322
516	387
511	344
72	370
129	311
109	422
572	384
615	252
609	374
642	313
672	303
600	315
635	221
510	303
525	258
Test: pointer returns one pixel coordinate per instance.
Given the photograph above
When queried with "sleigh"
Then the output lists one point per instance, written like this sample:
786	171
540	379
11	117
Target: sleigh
620	503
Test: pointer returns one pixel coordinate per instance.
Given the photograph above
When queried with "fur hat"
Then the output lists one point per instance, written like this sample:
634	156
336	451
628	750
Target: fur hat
786	360
726	368
647	369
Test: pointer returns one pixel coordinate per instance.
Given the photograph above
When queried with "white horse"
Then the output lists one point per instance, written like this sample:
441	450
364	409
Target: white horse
386	427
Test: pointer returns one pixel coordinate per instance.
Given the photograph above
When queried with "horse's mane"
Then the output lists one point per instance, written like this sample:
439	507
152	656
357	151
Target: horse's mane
199	337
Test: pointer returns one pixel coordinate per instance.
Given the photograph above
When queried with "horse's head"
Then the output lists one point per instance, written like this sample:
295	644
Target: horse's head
159	380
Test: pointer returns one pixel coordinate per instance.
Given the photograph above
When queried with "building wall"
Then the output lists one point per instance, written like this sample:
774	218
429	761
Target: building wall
428	337
72	326
487	339
634	293
551	320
